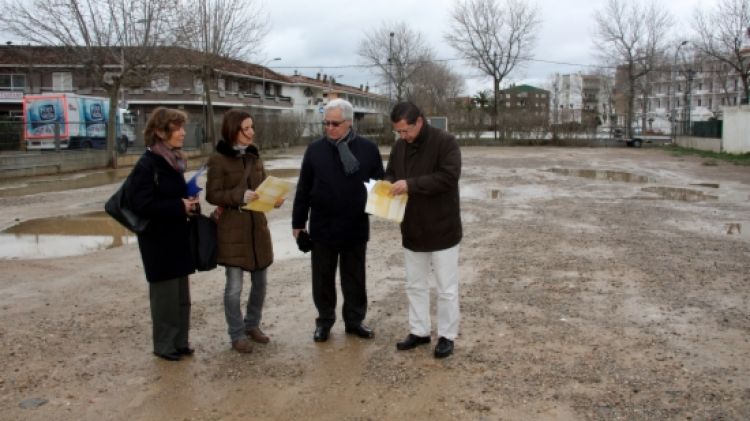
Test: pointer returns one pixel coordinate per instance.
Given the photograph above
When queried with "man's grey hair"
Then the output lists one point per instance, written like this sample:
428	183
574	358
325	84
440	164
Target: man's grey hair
345	106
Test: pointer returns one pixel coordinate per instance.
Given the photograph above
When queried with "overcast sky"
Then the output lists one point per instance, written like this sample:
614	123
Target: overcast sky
322	36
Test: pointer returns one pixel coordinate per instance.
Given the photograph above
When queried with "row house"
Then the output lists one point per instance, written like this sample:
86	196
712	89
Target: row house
695	91
176	83
310	95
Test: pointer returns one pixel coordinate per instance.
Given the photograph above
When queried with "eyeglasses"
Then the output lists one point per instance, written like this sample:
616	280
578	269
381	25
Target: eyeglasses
406	130
327	123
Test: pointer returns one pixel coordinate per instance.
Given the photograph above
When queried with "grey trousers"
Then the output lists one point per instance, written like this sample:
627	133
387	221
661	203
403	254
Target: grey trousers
236	326
170	314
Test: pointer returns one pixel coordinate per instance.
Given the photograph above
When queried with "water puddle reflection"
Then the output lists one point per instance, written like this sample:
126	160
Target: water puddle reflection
63	236
82	234
602	175
710	185
678	193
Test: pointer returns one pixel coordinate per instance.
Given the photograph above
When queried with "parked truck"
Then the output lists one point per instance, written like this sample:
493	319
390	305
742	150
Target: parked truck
71	121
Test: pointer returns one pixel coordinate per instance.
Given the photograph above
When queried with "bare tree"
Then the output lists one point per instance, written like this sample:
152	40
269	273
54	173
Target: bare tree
433	86
720	35
115	40
220	29
398	52
633	35
495	37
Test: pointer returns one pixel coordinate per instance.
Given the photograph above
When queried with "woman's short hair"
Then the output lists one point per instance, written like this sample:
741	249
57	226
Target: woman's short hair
347	111
162	122
232	124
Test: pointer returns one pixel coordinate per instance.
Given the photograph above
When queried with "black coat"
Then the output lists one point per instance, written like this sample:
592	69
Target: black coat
334	201
156	192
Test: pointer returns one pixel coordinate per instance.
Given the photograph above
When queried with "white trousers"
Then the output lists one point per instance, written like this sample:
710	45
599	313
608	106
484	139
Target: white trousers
444	265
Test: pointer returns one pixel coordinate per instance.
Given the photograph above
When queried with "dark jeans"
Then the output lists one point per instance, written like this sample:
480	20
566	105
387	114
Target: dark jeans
353	287
170	314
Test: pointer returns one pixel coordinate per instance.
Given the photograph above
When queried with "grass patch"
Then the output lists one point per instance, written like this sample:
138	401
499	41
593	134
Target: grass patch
737	159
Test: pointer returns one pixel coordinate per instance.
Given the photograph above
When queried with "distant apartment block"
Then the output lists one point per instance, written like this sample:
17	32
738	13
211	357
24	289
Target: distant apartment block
524	101
582	99
696	91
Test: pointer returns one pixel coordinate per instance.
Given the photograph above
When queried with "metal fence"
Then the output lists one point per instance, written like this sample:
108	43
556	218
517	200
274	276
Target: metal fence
711	128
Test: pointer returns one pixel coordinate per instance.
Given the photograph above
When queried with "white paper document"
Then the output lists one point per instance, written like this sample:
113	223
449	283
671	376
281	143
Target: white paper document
380	202
269	191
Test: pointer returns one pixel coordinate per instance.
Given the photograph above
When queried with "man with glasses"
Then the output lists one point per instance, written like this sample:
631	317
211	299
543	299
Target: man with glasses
425	163
331	193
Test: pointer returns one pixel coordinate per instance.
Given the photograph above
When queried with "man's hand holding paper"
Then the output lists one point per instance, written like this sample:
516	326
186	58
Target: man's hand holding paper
382	202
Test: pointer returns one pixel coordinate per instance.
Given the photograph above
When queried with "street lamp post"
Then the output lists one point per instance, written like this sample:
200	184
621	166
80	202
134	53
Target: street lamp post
263	77
673	96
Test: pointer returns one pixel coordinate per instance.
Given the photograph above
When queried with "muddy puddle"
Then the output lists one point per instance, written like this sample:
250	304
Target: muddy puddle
678	193
86	233
606	175
63	236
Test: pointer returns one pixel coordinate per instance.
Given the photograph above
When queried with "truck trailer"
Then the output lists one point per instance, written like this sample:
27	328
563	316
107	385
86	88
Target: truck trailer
71	121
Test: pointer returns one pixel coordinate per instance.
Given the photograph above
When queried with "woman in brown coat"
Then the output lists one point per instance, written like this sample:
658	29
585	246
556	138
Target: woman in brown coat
235	170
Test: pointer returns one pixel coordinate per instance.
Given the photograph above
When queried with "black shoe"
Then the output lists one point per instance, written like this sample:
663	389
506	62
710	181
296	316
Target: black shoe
321	333
411	342
172	356
187	351
443	348
361	330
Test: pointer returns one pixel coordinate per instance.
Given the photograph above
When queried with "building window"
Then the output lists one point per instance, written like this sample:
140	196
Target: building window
710	103
12	82
197	85
62	81
699	102
160	83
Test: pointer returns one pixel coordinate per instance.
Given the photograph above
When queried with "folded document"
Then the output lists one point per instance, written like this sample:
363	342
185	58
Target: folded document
381	203
269	191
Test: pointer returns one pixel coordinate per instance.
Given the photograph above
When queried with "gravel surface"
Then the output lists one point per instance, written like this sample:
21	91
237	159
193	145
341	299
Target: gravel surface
596	284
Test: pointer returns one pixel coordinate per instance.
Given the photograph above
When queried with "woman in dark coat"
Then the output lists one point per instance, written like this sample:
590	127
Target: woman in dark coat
235	170
158	192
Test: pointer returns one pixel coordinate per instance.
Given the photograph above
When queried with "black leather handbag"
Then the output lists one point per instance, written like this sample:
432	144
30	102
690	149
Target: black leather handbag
203	242
118	207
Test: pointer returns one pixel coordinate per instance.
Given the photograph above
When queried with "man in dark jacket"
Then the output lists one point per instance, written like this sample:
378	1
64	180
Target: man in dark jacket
425	163
332	193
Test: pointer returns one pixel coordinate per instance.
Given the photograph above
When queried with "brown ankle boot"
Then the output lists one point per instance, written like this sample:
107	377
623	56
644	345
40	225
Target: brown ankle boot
257	335
243	346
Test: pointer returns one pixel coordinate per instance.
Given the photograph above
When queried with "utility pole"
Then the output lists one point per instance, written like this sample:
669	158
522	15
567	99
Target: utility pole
263	78
390	69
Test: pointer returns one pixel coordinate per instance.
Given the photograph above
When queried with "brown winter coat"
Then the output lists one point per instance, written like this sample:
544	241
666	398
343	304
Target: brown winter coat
431	166
243	236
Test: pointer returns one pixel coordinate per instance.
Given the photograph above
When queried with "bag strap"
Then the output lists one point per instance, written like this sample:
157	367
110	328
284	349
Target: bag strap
246	173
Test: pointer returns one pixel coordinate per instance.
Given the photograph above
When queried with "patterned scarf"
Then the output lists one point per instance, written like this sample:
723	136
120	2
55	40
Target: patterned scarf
175	157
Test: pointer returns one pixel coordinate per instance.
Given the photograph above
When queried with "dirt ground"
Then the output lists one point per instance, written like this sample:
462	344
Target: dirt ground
596	284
